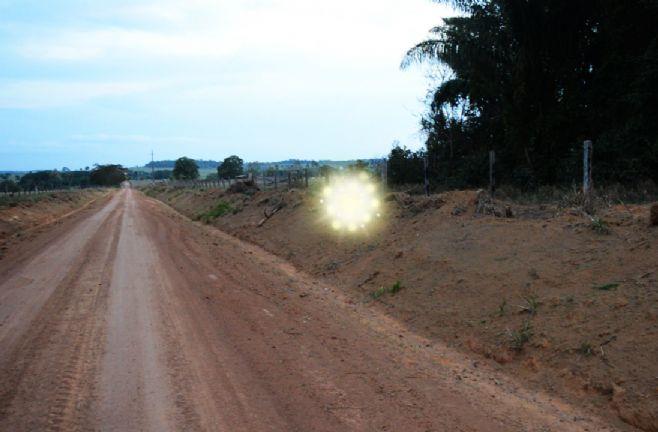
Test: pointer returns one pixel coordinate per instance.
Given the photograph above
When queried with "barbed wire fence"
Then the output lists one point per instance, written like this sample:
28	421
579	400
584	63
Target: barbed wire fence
36	191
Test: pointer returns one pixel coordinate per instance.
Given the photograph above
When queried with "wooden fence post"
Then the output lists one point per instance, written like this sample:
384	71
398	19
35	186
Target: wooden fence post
588	149
492	174
289	180
426	176
306	177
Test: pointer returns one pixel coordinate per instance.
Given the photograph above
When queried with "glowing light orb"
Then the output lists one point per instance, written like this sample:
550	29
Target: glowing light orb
351	203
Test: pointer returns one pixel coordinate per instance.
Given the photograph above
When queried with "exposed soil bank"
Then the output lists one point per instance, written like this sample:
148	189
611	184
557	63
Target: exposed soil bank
22	214
127	316
559	302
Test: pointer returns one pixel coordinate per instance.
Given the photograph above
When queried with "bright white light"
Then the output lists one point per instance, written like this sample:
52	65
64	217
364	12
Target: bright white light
351	203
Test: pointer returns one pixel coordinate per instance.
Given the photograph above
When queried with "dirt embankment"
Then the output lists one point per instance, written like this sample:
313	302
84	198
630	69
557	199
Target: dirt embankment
21	215
557	300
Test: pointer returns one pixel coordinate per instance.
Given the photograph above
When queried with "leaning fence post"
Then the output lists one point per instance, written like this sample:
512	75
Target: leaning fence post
492	176
588	149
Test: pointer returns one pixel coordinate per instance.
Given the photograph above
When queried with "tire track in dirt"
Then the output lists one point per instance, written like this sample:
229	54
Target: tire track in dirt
136	390
48	379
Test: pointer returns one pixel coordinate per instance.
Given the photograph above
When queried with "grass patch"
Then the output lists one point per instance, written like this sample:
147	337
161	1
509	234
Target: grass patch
606	287
221	208
393	289
520	337
586	349
531	304
599	226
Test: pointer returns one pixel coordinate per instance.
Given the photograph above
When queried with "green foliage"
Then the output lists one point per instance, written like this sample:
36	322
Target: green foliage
607	287
147	175
586	349
393	289
221	208
185	169
232	167
326	171
404	166
396	287
108	175
520	337
45	180
9	186
254	168
162	174
599	226
535	98
359	166
41	180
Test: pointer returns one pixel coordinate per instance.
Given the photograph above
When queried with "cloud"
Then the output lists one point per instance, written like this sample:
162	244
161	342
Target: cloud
121	43
51	94
239	74
114	138
368	30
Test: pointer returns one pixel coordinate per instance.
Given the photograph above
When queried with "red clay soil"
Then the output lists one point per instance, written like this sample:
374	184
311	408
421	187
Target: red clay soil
21	215
559	302
128	316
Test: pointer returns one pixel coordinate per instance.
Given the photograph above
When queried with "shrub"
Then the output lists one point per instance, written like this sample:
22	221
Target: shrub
607	287
599	226
586	349
393	289
221	208
519	338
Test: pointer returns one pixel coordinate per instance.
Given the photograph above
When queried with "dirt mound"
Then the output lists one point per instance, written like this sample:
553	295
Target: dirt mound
562	302
247	187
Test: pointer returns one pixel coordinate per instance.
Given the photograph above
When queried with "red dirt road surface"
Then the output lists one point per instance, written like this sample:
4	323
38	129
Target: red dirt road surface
128	316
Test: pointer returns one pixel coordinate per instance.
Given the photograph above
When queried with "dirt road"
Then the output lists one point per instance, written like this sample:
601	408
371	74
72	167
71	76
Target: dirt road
128	316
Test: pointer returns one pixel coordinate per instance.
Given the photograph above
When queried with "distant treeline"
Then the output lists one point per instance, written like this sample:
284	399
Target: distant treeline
168	165
100	175
532	80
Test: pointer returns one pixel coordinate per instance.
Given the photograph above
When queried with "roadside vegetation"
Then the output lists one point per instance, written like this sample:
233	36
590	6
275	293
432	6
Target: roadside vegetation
222	208
533	99
392	289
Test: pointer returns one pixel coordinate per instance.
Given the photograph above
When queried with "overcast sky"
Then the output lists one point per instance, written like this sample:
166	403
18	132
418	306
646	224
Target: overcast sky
84	82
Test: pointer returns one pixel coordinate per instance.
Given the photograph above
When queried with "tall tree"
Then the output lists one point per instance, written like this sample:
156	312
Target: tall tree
185	169
531	80
108	175
232	167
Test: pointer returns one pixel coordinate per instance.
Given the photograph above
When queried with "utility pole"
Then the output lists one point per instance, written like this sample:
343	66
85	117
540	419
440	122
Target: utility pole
152	168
